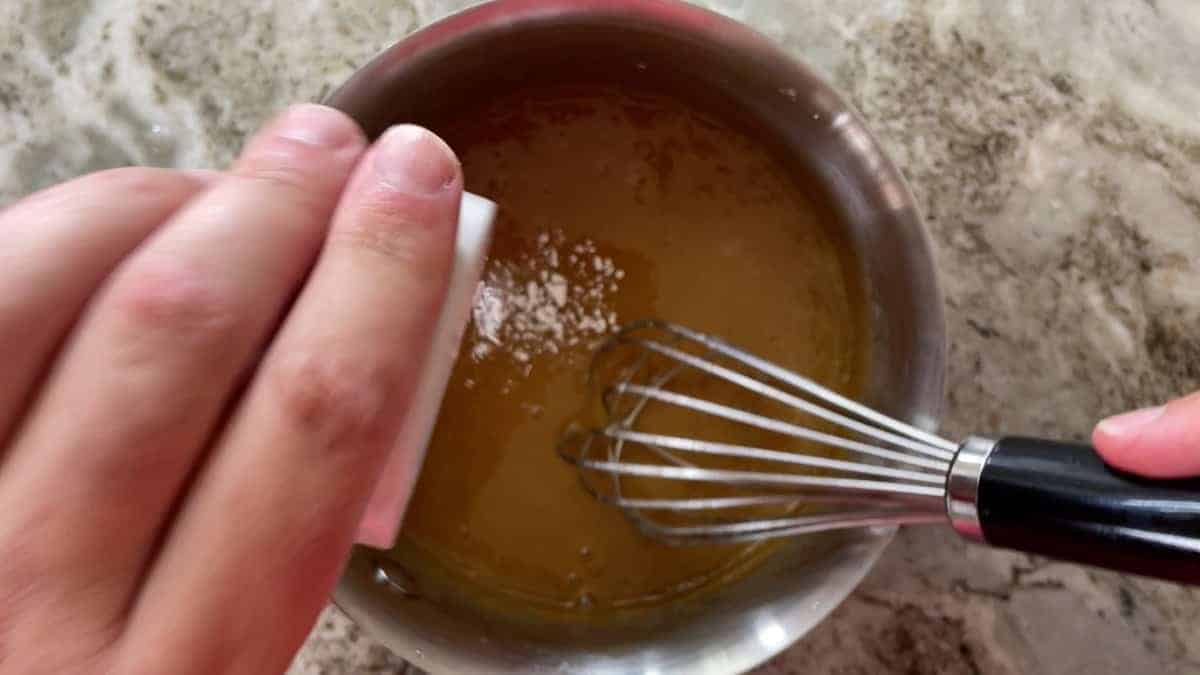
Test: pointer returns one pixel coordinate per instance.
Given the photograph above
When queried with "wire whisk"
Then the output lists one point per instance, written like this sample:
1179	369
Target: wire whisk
819	461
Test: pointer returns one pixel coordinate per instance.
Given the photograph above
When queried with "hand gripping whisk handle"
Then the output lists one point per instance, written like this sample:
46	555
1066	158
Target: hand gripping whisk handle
1062	501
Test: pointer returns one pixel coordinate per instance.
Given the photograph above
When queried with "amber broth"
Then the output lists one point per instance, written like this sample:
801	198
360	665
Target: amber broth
621	206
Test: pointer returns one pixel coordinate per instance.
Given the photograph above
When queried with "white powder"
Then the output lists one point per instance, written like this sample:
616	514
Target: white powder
556	287
546	302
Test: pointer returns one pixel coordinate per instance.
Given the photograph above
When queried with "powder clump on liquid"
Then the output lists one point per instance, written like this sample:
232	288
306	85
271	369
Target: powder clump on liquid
557	297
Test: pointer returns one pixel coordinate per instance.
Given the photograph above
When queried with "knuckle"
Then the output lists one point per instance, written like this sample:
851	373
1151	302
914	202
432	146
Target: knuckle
27	584
295	181
144	185
161	299
384	235
285	164
340	402
20	582
139	185
132	180
39	591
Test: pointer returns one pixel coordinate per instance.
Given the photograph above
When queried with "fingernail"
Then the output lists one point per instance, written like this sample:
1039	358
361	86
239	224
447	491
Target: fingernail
1130	423
413	159
316	125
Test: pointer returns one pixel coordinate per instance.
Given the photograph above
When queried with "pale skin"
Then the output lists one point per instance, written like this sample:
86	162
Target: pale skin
201	375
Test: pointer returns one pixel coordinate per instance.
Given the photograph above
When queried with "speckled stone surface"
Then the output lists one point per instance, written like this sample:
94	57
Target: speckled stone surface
1054	149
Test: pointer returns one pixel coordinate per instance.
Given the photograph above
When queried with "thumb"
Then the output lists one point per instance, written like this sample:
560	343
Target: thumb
1162	442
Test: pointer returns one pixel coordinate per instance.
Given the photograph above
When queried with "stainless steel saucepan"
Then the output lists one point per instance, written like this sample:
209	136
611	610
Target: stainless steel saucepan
725	67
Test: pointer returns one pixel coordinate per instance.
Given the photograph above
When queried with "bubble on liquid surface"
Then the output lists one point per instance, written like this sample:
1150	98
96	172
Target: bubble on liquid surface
585	601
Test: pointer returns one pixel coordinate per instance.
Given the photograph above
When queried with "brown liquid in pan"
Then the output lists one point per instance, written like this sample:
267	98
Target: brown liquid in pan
615	207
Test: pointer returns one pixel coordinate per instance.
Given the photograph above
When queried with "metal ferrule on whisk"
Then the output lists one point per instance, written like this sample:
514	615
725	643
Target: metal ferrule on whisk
962	486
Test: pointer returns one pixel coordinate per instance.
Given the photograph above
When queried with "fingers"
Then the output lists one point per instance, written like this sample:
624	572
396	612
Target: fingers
288	481
1161	442
139	388
56	248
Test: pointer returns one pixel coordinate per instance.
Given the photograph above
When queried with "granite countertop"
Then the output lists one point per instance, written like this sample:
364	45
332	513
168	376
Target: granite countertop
1054	149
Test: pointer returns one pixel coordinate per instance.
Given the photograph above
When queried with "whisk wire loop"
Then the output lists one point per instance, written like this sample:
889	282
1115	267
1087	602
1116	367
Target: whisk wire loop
776	372
899	478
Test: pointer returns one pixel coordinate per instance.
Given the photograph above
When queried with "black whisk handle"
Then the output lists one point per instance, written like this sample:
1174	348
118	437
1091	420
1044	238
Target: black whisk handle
1062	501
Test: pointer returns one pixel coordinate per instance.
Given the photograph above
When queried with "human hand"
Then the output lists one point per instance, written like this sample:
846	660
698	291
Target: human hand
202	375
1161	442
